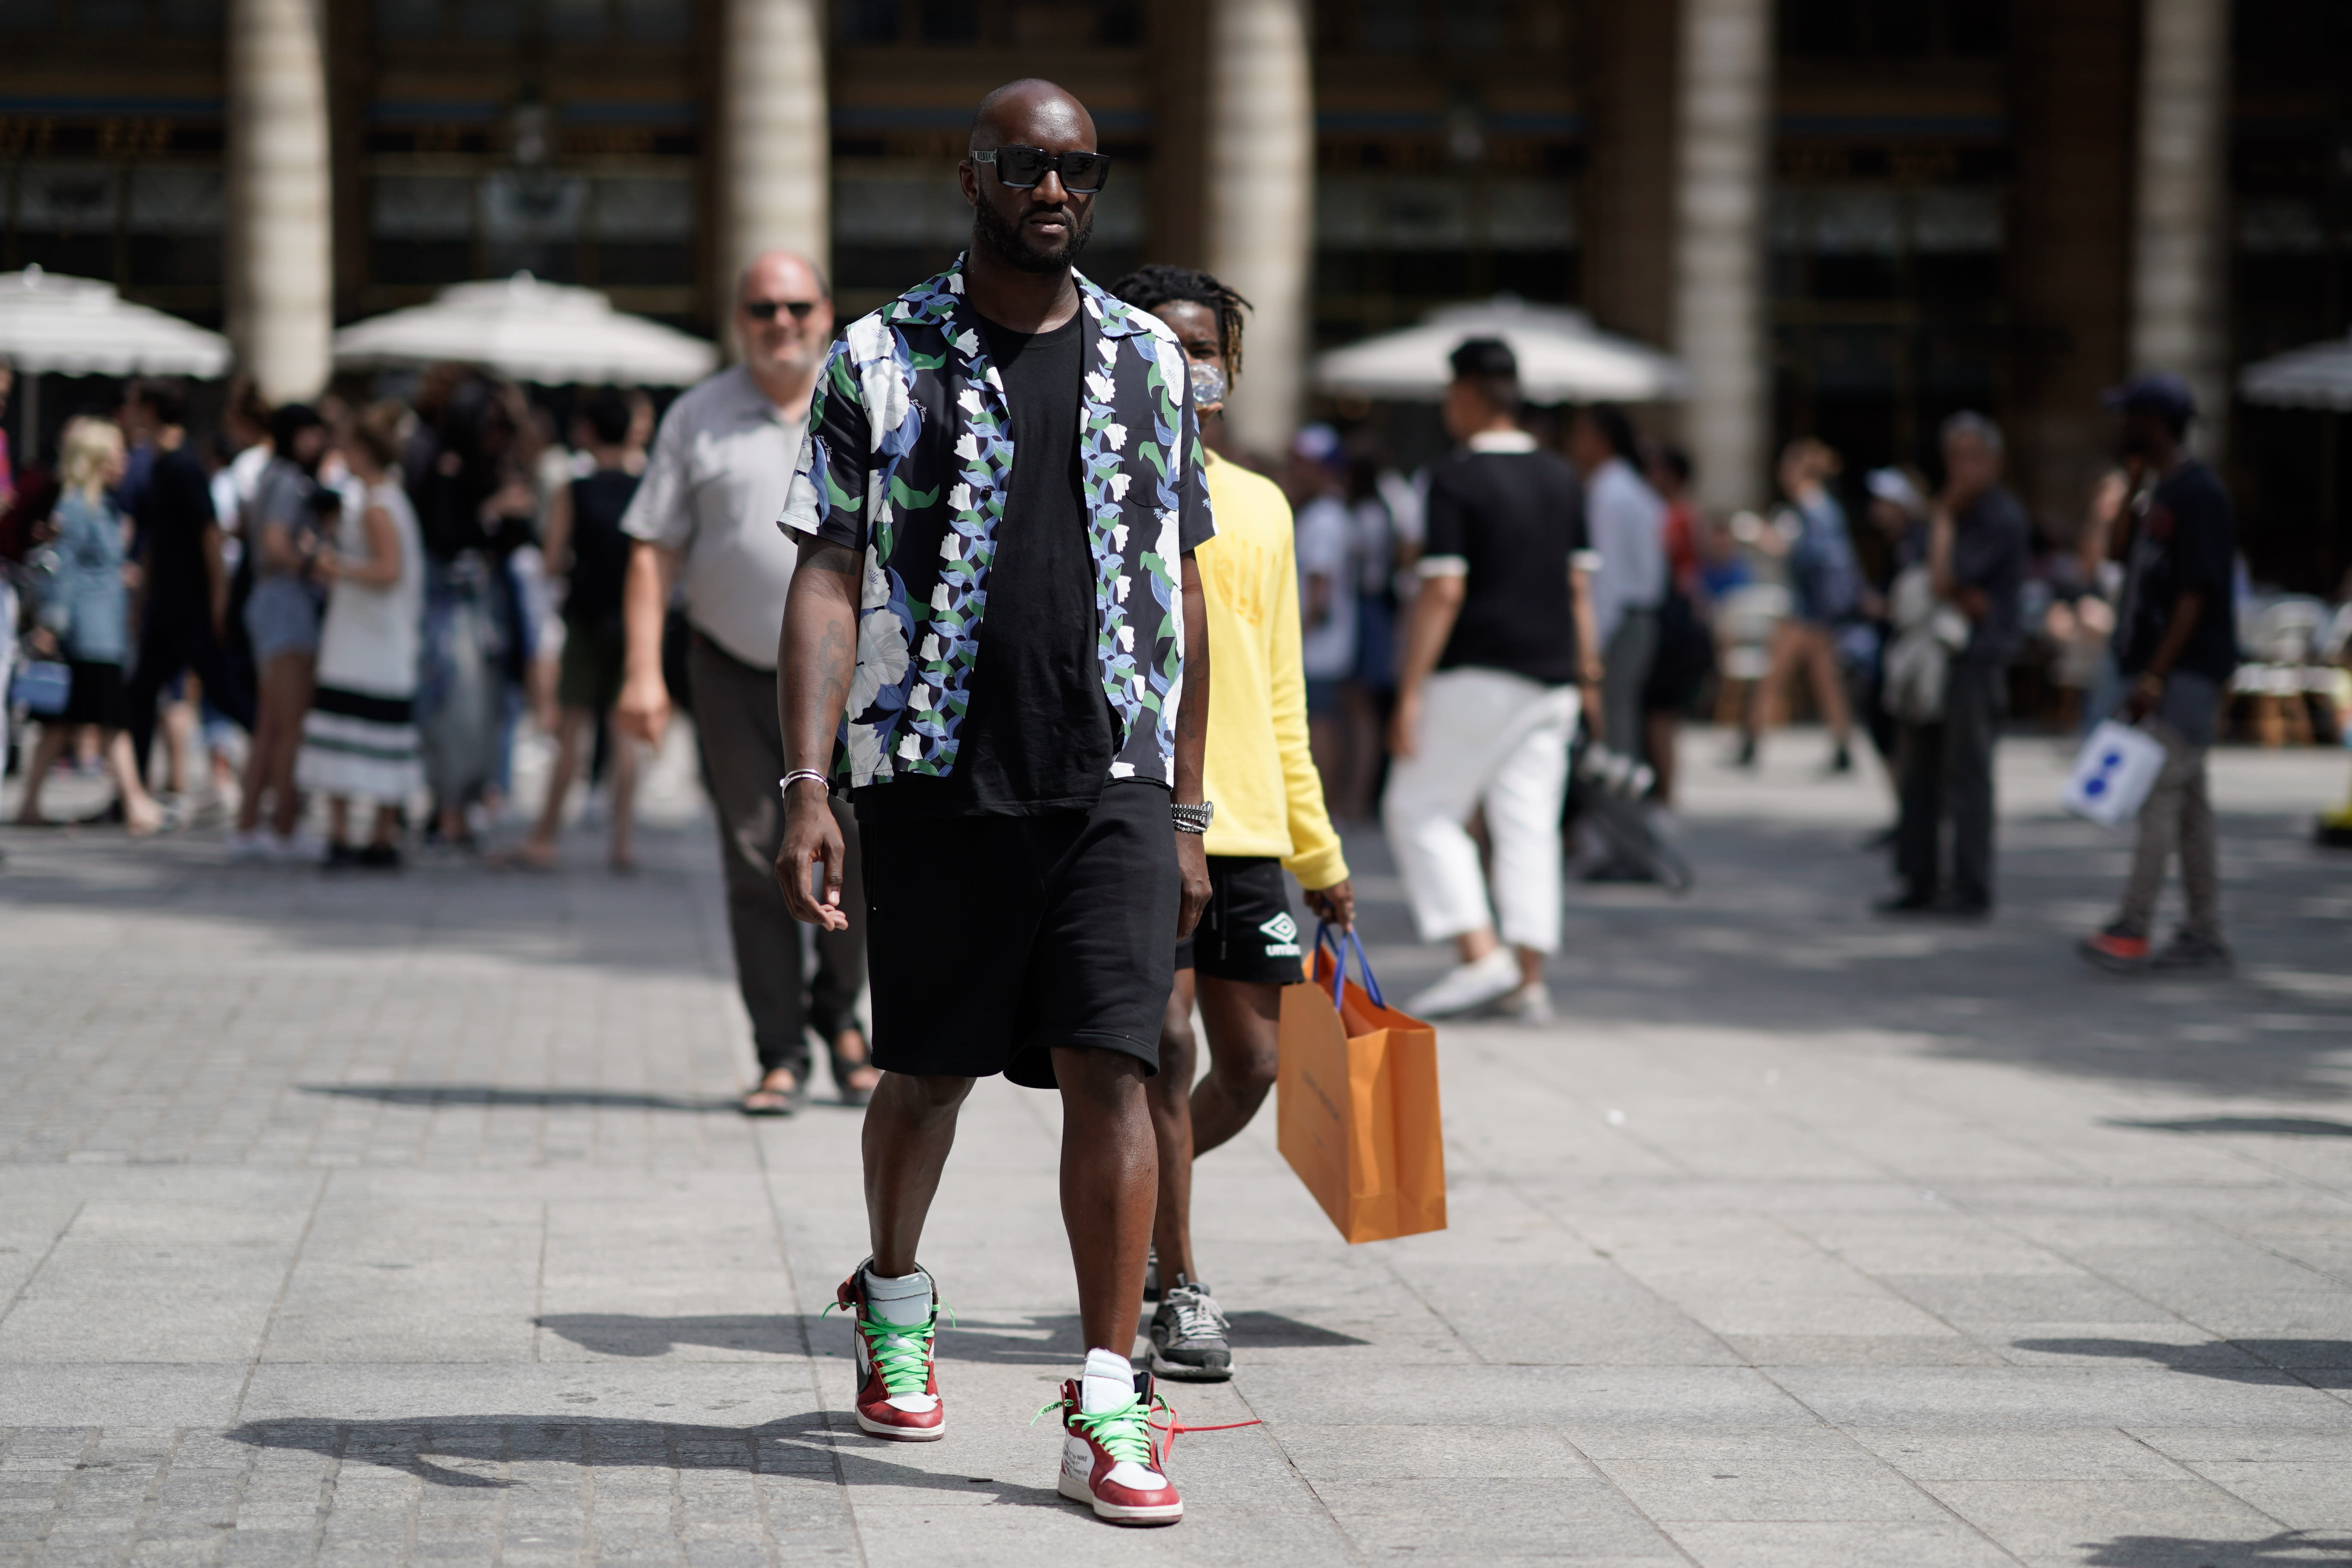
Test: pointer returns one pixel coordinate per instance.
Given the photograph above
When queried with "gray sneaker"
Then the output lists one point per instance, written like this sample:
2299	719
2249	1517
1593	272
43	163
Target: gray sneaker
2188	953
1187	1335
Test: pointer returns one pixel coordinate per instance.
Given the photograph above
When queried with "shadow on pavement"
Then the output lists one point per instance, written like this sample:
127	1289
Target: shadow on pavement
2321	1363
546	1099
461	1450
1047	1340
2288	1546
2278	1126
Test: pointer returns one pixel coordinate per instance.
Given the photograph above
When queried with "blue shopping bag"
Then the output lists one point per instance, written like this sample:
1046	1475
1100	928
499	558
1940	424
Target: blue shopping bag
41	688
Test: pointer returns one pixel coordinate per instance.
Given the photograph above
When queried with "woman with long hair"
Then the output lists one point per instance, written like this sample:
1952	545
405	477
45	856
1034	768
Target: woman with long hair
84	618
281	623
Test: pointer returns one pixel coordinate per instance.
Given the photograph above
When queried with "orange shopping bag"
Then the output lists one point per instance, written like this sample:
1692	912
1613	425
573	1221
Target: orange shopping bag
1356	1112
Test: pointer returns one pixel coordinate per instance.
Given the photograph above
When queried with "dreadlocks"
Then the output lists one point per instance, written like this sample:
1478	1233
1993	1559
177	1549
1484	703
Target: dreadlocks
1150	287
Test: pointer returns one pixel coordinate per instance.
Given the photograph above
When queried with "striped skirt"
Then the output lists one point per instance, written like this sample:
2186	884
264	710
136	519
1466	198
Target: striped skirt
360	746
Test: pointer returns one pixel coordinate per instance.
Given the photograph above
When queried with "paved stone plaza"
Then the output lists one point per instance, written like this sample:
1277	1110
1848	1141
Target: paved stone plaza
364	1222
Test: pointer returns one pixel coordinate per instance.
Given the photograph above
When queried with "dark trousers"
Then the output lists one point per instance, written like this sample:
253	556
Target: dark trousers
742	758
1946	771
170	644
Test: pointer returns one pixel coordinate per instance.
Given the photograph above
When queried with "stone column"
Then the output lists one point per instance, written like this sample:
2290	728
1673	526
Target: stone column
1723	116
279	244
1260	202
775	141
2178	236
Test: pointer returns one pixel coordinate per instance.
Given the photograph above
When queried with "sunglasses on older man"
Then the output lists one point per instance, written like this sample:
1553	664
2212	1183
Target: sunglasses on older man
1023	168
765	310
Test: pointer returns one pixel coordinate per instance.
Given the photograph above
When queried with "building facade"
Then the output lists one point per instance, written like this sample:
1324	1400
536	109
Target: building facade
1851	217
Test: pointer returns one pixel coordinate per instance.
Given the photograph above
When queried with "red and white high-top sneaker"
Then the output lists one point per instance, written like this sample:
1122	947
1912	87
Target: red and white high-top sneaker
1111	1460
897	1386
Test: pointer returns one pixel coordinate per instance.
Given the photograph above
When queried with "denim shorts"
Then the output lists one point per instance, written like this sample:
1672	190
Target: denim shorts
281	616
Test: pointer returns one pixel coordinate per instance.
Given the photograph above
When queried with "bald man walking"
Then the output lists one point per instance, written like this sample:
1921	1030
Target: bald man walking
707	510
998	506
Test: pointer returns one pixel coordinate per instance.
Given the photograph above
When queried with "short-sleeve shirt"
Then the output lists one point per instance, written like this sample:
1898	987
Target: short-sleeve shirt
1325	546
600	549
179	514
2186	540
1509	521
910	462
1992	542
1037	737
1628	525
282	499
716	479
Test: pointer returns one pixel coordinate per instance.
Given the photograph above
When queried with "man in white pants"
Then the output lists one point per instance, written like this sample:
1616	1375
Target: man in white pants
1499	642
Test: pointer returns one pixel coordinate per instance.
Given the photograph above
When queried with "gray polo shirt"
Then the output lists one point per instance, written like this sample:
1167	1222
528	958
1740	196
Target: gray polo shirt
713	490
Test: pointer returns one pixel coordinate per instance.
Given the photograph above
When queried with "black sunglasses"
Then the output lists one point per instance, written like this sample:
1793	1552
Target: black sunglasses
1023	168
765	310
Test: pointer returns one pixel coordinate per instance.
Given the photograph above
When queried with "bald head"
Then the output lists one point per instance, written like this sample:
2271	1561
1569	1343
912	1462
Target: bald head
773	271
1031	112
783	316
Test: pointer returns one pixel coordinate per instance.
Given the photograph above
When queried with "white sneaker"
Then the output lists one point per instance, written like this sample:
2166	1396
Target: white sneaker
1469	985
248	846
297	848
1531	1003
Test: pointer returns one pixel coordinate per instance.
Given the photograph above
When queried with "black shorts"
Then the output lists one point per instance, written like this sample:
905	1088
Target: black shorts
992	939
1247	931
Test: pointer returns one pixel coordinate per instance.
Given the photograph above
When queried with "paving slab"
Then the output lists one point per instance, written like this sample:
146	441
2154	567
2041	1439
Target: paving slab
410	1222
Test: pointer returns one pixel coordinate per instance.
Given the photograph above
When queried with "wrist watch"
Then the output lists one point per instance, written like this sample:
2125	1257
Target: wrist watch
1194	819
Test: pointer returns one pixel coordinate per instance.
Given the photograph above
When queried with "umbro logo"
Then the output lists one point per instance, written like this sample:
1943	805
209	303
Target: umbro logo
1284	933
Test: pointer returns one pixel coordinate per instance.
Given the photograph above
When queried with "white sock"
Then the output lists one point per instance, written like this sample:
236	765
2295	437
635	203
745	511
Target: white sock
905	1299
1108	1383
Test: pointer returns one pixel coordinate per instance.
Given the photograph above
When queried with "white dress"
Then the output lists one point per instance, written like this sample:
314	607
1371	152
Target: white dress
359	737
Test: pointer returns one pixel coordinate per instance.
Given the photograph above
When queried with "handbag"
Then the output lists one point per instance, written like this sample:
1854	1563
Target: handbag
41	687
2112	773
1356	1105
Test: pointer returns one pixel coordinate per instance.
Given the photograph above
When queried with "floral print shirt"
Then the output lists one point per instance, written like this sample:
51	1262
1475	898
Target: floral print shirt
908	461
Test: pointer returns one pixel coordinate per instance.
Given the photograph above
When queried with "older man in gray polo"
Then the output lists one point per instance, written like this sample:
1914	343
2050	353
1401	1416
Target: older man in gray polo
706	515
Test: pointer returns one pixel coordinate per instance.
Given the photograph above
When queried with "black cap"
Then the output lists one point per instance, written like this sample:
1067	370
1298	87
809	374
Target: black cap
1484	358
2159	392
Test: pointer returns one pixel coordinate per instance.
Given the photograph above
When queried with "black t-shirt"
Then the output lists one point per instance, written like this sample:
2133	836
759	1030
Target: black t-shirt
1037	736
2186	540
1512	518
177	508
600	551
1990	544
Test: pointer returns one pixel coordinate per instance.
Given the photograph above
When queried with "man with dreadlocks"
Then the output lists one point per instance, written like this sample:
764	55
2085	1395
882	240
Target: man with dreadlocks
1270	816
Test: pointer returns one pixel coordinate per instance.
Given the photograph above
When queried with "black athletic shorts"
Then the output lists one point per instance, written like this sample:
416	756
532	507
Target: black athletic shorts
991	940
1247	931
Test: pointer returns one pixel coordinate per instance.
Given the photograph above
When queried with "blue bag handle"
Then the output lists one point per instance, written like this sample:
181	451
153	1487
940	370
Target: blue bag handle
1340	963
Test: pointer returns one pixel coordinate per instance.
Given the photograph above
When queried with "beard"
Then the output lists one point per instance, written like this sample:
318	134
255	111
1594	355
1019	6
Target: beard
1003	241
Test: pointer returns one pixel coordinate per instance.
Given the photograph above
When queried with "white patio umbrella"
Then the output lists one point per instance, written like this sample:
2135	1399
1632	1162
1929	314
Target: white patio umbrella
2318	376
80	326
51	324
532	331
1563	358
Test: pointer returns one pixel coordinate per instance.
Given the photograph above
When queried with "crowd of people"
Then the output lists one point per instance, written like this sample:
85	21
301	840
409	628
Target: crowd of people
371	594
1049	862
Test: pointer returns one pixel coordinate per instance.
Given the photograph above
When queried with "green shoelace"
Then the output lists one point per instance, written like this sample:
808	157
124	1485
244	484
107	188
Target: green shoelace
1125	1433
902	1351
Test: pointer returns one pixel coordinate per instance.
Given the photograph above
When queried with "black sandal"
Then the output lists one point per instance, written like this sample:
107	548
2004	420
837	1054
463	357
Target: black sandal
844	1066
786	1101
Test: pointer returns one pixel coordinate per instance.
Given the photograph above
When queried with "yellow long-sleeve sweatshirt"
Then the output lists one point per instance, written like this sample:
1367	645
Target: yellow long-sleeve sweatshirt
1259	771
